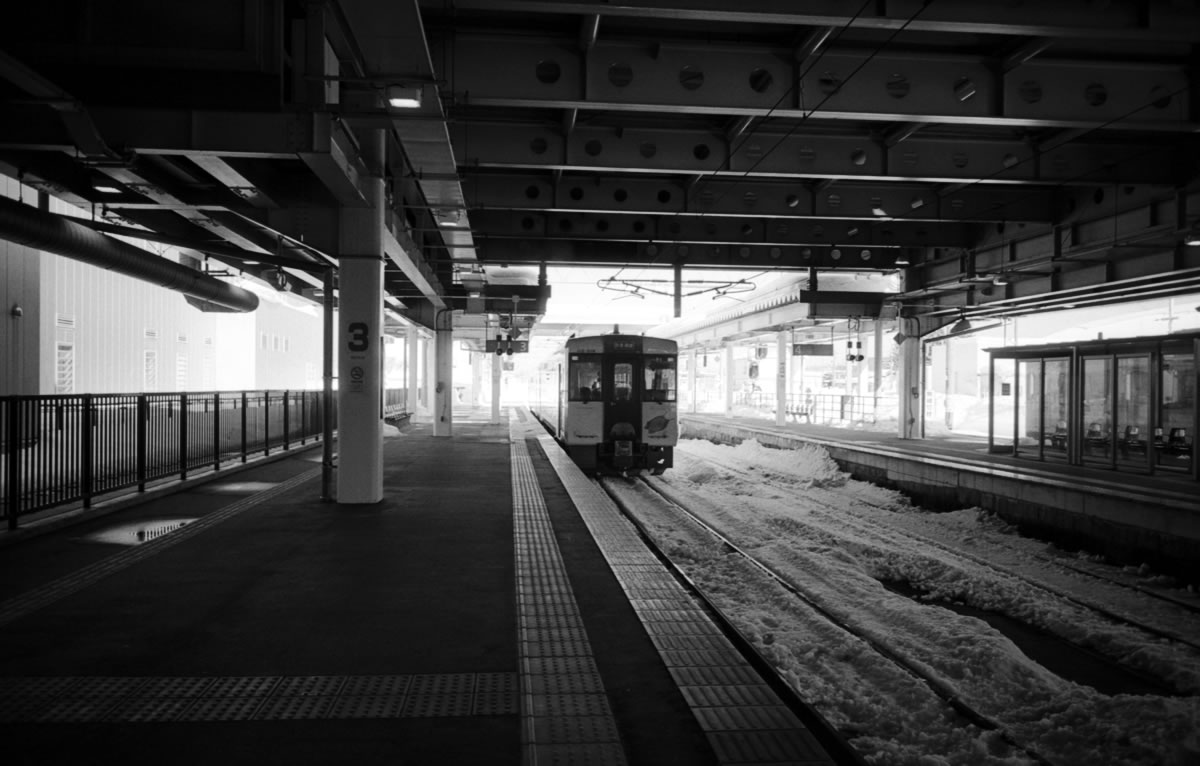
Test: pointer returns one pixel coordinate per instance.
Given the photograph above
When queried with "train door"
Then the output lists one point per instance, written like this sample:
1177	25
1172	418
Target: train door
622	405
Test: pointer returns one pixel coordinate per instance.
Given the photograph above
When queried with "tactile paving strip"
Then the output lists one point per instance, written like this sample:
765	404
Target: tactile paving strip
135	699
743	718
44	595
565	712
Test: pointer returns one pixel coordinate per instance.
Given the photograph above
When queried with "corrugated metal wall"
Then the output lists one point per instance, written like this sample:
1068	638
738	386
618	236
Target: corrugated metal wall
20	337
88	330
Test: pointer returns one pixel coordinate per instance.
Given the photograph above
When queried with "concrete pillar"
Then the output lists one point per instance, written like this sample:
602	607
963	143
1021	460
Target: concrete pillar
360	335
728	378
477	378
911	389
443	389
411	347
695	369
781	381
496	370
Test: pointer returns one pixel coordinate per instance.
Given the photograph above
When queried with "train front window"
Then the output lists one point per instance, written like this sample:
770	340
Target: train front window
660	379
622	381
583	378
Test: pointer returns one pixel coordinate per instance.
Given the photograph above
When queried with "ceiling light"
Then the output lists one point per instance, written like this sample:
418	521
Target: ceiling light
1001	279
106	189
1192	239
404	96
962	325
902	260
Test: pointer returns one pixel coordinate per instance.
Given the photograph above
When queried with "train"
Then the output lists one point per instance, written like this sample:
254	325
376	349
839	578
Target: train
610	401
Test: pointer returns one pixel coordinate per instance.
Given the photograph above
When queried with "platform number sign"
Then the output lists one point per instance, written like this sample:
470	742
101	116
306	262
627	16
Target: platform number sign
359	339
358	343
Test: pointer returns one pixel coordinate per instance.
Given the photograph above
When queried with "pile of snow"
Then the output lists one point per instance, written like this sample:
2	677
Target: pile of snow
837	539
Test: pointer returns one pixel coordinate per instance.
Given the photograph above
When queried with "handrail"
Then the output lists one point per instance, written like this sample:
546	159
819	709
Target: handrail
72	448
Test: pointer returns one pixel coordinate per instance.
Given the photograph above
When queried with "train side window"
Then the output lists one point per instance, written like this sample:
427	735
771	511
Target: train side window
622	381
583	378
660	378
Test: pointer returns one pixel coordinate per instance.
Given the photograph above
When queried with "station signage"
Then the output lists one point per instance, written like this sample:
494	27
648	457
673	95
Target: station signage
812	349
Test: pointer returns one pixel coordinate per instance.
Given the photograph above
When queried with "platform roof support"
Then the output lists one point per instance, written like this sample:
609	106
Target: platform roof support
360	335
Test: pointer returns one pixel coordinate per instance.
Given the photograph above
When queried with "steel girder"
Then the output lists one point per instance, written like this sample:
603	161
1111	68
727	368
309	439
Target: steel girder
759	198
535	251
809	154
860	85
1156	20
719	230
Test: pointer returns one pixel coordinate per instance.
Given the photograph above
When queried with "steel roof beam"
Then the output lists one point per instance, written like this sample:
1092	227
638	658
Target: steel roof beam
890	86
757	197
1078	19
746	256
815	155
719	230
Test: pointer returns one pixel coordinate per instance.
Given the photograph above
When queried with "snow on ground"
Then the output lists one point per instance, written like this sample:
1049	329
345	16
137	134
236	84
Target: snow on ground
837	538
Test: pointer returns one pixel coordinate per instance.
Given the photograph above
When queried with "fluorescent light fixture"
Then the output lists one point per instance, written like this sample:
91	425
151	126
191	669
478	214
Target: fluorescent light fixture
1000	279
902	260
404	96
106	189
1192	239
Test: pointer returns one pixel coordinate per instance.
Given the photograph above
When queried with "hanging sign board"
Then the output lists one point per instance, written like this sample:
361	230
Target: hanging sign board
517	346
812	349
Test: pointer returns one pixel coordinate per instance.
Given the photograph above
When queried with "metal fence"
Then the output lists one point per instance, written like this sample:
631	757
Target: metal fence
825	409
62	449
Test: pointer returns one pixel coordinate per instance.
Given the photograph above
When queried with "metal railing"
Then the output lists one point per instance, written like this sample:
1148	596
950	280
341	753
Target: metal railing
395	402
825	409
71	448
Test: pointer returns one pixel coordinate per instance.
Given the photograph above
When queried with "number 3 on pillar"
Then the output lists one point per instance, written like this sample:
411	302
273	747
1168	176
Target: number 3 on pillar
359	340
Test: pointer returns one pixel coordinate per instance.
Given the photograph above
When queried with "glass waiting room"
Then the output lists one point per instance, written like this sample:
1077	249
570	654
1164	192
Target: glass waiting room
1125	404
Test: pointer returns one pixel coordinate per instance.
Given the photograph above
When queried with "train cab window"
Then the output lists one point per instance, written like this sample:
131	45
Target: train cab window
583	378
622	381
660	378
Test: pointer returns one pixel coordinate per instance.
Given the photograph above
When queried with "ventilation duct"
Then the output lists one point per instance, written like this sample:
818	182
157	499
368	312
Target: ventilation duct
25	225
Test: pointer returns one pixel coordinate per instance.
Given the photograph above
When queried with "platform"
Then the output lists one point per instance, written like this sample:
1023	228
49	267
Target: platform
492	609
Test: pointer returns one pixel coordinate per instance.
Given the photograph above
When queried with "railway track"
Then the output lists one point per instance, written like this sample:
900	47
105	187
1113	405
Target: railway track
812	498
665	505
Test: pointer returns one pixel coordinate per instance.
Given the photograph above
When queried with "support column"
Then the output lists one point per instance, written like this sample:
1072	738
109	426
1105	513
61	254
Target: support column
360	336
728	378
431	378
443	389
411	347
910	389
477	379
877	367
496	370
678	290
695	376
781	381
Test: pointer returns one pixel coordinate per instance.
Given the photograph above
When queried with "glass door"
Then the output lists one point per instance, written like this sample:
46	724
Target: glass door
1133	410
1029	429
1001	423
1097	425
1172	438
1056	403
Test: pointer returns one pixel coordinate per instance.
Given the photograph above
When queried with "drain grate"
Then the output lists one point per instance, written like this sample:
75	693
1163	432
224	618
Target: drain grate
135	699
